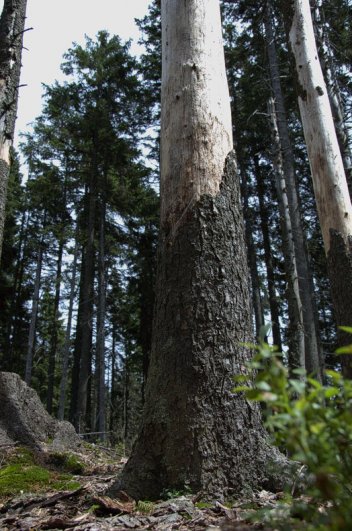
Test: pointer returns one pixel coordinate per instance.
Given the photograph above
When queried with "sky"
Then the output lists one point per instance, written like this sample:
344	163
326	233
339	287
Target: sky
58	23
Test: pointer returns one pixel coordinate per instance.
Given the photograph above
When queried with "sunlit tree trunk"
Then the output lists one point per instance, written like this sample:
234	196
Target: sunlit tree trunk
332	85
194	431
12	23
313	362
329	179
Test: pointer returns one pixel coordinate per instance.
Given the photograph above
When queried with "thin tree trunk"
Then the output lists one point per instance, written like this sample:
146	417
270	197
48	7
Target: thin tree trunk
113	392
329	179
295	310
264	223
17	293
86	302
34	311
54	330
100	344
12	23
313	362
194	430
126	384
252	260
67	343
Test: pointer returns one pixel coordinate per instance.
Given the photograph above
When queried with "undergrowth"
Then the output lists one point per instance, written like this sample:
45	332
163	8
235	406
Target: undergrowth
313	422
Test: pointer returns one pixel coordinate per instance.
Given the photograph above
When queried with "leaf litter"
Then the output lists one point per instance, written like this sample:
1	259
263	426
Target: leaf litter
88	509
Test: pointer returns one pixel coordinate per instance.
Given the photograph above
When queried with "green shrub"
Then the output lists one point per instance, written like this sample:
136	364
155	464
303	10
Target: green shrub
314	423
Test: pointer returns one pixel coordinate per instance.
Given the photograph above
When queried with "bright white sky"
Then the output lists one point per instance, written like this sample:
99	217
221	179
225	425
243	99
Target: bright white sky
56	24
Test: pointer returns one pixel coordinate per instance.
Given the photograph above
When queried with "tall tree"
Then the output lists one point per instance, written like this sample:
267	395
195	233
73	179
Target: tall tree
283	140
329	179
194	431
12	23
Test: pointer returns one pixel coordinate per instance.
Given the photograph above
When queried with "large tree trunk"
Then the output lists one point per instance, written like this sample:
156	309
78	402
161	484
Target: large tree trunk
313	362
12	22
329	180
194	431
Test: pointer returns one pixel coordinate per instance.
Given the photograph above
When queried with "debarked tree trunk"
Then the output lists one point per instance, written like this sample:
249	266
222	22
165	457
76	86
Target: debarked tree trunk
195	431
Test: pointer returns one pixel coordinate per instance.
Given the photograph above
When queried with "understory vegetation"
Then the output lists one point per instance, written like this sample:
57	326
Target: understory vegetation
311	422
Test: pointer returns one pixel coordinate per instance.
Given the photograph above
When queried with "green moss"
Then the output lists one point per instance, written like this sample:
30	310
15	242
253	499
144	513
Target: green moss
24	474
64	484
67	462
18	477
204	505
145	507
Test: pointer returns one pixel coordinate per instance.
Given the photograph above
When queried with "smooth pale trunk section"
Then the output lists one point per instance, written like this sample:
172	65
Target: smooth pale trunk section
329	180
196	130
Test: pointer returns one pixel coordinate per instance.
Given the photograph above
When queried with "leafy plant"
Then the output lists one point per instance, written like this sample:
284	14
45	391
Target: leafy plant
314	423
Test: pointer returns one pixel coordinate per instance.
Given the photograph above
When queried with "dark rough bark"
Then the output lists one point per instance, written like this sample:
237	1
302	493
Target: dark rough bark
195	431
12	22
340	273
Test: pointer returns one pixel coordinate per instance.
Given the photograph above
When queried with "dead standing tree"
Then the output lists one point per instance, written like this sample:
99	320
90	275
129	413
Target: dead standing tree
194	431
12	22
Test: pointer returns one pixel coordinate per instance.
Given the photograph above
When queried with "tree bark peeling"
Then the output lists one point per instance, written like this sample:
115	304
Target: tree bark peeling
195	432
196	130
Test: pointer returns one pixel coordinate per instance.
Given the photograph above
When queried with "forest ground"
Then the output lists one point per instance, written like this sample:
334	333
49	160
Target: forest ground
87	508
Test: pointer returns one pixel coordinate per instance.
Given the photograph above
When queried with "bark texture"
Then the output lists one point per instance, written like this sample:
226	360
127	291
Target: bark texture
12	22
340	274
196	131
195	432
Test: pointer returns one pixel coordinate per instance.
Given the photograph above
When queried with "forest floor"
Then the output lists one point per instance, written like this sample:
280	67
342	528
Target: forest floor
84	507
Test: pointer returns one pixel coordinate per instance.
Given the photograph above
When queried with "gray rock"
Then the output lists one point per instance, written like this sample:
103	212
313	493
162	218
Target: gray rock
24	420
